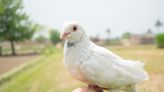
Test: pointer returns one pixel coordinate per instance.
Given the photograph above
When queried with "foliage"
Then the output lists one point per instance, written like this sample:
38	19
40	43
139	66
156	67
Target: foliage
158	23
126	35
14	23
54	36
160	40
114	41
41	39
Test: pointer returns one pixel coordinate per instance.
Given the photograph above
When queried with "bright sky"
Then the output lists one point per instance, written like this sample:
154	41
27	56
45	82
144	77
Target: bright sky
135	16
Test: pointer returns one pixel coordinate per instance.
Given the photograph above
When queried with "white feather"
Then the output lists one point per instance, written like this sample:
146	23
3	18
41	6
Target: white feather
96	65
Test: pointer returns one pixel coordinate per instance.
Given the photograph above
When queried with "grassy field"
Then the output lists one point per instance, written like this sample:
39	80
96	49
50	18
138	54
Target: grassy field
50	75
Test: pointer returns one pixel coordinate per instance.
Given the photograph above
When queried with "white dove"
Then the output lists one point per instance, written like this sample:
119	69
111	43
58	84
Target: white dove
97	66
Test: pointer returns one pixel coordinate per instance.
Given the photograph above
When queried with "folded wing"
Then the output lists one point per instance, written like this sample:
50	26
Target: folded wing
106	69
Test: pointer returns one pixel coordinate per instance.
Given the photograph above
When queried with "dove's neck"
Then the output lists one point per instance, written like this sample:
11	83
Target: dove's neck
83	41
76	50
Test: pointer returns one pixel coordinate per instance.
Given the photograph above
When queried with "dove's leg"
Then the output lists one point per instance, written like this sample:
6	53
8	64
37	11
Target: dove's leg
114	90
132	88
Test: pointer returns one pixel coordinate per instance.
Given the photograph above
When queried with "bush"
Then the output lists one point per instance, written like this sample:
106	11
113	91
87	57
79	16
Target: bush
54	36
160	40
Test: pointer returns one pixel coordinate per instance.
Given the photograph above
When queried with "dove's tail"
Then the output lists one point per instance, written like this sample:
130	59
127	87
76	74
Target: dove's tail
136	69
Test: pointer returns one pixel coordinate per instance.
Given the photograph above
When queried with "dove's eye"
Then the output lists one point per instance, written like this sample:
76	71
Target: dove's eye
74	28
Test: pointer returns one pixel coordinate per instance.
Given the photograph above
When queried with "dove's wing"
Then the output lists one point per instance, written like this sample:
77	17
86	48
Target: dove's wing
106	69
134	67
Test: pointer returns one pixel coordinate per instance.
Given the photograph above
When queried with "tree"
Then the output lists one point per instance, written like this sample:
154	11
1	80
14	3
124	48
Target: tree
160	40
14	23
41	39
159	36
158	24
108	33
54	36
126	35
149	31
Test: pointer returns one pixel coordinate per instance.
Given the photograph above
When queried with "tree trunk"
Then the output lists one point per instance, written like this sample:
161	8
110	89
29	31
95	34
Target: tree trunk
13	48
0	51
158	30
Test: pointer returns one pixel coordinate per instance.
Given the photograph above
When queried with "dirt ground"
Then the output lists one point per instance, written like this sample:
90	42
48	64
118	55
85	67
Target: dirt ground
10	62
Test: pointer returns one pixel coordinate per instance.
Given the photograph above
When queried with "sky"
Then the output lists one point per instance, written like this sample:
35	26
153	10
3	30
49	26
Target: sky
96	16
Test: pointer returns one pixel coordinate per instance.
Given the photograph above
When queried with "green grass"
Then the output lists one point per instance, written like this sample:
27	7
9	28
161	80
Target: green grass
50	74
47	76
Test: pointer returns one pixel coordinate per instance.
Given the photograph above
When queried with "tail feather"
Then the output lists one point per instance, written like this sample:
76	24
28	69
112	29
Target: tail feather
135	68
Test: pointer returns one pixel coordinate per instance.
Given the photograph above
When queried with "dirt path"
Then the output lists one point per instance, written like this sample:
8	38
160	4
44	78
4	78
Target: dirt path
10	62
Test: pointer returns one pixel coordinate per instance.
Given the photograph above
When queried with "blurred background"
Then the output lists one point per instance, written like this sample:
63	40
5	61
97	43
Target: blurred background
31	52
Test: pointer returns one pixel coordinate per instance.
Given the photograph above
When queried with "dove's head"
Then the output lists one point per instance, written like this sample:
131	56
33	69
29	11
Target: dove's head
72	31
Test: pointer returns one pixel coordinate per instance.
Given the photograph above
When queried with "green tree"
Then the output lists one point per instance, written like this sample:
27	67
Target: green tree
41	39
126	35
14	23
160	40
54	36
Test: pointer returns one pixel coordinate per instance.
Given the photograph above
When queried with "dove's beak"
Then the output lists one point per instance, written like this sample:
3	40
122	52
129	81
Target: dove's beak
64	35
